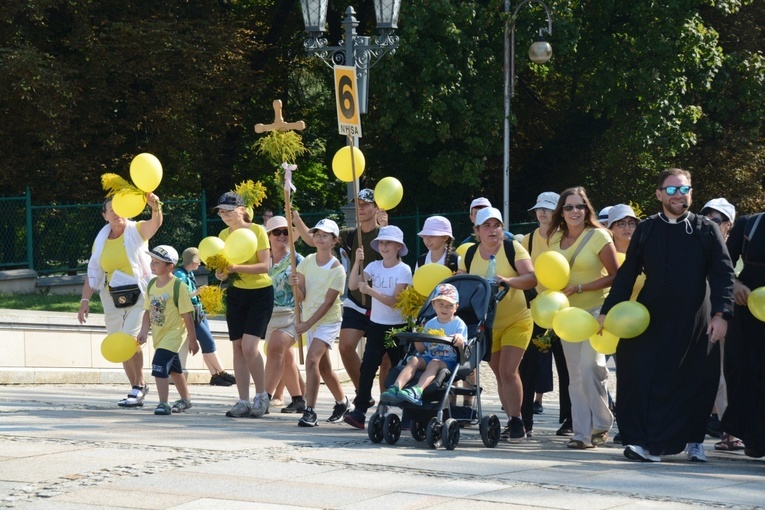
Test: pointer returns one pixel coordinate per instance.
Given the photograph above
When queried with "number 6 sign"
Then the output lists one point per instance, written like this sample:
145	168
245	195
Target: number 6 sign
346	97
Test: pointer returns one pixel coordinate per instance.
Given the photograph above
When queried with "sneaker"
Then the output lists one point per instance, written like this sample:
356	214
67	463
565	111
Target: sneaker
390	396
309	418
276	402
338	412
240	410
695	452
259	405
411	395
635	452
517	430
566	429
714	427
505	434
181	405
228	377
219	380
355	419
135	398
296	406
163	408
599	437
538	408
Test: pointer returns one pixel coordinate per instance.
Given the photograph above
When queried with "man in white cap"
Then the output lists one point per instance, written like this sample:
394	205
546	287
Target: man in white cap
721	212
475	206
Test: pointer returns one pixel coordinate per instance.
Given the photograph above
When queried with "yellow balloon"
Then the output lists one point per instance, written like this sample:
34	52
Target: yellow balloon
146	172
341	163
240	246
461	249
605	343
552	270
388	193
209	247
574	324
546	305
428	276
627	319
118	347
127	204
756	303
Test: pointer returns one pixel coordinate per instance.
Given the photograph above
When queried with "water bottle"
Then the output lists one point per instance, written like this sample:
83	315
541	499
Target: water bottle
491	272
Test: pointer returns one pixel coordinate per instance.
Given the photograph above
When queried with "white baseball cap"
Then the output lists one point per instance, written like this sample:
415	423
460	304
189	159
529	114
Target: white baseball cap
479	202
546	200
486	214
722	206
164	253
326	225
436	226
603	214
390	233
619	212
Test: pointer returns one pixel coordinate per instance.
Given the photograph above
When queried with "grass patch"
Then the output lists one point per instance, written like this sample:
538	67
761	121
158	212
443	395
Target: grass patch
48	303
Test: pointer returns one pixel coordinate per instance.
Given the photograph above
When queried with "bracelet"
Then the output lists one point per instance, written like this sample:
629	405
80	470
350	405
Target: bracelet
579	289
86	300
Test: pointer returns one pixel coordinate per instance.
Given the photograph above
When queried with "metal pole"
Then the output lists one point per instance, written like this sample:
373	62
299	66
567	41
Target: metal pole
509	73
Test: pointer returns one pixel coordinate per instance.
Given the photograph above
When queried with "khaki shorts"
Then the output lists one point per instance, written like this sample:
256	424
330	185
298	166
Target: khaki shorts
282	319
125	320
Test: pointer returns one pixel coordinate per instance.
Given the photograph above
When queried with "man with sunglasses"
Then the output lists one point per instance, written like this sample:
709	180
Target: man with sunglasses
668	376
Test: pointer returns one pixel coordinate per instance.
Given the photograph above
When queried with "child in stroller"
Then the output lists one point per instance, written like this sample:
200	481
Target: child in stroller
427	404
431	356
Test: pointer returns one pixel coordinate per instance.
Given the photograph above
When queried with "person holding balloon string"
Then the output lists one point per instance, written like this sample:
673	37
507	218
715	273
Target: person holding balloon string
576	234
511	332
356	310
388	277
249	301
120	249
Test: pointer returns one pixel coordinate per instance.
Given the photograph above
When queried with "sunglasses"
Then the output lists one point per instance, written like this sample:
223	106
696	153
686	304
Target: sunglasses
624	223
716	220
578	207
279	232
671	190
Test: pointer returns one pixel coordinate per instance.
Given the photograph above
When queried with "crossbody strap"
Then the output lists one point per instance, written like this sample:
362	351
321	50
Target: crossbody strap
587	237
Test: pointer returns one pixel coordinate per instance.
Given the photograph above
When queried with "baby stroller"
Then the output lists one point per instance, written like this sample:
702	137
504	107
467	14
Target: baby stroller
433	421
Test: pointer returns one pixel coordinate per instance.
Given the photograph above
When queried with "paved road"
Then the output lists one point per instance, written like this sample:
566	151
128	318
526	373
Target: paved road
71	447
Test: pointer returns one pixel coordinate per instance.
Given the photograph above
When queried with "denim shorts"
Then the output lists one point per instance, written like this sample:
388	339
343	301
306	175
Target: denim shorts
204	337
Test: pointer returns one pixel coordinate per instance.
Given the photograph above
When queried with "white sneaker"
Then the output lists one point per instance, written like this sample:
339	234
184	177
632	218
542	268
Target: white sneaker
259	405
635	452
240	409
695	452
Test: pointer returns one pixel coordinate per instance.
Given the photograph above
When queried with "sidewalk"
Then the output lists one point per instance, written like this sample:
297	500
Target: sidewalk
67	446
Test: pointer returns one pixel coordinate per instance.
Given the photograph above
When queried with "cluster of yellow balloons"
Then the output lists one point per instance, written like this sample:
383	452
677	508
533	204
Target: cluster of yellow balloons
428	276
756	303
238	248
146	172
119	347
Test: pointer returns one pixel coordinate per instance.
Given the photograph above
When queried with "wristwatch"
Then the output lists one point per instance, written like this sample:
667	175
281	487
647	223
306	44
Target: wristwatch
579	289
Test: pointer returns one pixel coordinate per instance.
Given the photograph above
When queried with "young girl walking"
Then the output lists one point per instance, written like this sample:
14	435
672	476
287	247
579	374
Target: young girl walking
320	280
437	236
389	277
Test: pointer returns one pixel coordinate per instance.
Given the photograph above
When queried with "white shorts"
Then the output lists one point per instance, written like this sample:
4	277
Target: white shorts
326	333
282	319
125	320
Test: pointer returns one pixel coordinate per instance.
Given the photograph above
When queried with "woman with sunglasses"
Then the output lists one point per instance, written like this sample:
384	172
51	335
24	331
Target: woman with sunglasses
575	233
249	304
280	336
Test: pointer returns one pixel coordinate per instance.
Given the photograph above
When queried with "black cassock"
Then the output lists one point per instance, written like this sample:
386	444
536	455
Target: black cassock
667	378
745	345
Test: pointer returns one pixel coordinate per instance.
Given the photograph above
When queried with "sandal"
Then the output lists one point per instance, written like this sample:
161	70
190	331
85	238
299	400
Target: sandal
729	445
578	445
599	438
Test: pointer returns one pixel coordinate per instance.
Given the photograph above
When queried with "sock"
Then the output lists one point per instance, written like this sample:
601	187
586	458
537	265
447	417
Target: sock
269	395
297	398
340	402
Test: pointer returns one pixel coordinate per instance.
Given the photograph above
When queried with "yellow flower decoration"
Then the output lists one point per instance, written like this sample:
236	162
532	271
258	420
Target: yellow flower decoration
409	302
438	332
252	193
113	183
211	297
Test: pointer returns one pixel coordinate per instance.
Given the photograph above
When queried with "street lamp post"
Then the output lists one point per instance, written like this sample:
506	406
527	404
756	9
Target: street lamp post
539	53
361	52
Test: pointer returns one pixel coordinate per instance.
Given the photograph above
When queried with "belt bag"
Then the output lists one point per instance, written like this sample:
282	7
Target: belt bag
125	296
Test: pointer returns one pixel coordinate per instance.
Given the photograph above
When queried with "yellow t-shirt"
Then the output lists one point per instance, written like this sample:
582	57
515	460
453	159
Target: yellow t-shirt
319	280
513	307
538	247
587	266
114	257
167	326
247	280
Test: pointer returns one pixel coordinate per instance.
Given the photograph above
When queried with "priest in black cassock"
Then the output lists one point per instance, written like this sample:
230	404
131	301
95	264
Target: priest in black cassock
667	377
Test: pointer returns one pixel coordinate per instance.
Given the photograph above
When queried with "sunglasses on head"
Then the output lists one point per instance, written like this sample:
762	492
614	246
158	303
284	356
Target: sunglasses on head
279	232
671	190
578	207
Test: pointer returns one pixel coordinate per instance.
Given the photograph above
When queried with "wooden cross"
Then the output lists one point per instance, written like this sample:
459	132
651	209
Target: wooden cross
279	124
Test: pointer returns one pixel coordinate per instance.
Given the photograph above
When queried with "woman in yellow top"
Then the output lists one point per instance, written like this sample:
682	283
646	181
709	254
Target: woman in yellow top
622	222
576	234
249	303
121	249
512	327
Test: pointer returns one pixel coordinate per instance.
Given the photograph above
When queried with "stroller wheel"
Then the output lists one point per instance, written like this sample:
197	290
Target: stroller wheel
433	433
451	434
392	428
418	431
375	428
490	430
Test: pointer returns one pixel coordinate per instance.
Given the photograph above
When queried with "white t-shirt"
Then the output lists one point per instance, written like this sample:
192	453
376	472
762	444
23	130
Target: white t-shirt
384	280
319	280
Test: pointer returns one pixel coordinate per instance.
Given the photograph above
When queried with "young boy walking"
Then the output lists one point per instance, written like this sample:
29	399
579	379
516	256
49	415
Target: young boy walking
169	314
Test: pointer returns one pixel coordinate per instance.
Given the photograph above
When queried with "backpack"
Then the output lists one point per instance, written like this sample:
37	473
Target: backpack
507	244
176	288
452	260
749	229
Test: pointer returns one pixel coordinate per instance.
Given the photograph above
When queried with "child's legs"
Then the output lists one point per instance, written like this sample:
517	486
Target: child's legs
291	375
207	345
180	384
385	366
373	354
316	351
163	364
163	388
330	377
430	372
407	373
278	343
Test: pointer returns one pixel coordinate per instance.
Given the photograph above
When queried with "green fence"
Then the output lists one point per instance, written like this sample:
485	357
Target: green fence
57	239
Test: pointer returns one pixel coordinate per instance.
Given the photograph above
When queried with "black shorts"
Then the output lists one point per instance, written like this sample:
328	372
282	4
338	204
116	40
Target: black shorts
353	319
248	311
165	362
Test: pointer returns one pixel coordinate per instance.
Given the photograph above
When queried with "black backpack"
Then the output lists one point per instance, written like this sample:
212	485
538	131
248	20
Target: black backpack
452	261
507	244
